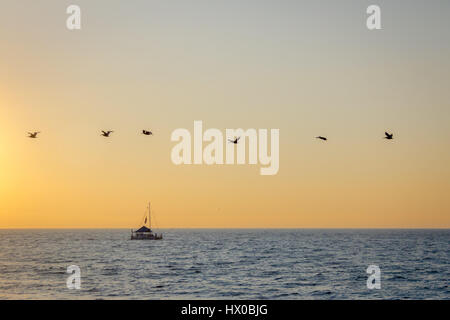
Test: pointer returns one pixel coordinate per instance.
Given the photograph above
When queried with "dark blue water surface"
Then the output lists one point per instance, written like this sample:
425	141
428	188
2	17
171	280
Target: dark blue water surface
225	264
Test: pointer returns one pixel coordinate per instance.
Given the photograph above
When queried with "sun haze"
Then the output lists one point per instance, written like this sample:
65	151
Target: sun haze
306	69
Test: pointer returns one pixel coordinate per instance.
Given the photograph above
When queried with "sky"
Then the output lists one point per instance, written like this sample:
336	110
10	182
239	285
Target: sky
307	68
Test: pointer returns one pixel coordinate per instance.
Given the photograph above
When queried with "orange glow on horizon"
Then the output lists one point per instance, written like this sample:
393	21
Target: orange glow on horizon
160	71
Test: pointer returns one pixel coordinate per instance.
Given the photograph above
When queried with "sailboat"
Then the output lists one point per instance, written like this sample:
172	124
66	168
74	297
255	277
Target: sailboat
144	232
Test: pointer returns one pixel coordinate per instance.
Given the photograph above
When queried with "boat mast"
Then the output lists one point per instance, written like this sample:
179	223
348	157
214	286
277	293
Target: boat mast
149	217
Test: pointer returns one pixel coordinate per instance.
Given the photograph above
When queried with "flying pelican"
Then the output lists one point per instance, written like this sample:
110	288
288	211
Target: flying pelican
147	133
235	141
389	136
322	138
33	135
106	133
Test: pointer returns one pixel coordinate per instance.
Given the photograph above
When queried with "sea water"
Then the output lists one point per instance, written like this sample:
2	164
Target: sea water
225	264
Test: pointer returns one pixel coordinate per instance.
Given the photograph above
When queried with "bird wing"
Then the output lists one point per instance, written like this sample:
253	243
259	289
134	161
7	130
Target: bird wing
237	139
387	134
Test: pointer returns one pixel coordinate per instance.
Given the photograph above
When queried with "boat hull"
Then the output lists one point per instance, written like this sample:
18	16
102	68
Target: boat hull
135	236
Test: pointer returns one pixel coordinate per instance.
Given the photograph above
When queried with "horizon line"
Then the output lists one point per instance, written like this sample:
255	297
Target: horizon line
231	228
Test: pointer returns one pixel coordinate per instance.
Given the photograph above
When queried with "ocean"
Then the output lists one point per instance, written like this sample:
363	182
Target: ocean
225	264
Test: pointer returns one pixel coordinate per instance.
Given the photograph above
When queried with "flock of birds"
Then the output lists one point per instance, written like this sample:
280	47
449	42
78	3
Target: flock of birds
387	135
33	135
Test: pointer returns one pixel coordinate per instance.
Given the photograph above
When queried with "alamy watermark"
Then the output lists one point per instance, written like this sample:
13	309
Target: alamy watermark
374	20
73	22
74	280
374	280
235	139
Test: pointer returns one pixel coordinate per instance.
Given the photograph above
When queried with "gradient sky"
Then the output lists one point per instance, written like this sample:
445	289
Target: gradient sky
306	67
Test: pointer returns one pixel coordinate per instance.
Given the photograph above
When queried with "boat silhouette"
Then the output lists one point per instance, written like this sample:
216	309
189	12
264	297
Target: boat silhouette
144	232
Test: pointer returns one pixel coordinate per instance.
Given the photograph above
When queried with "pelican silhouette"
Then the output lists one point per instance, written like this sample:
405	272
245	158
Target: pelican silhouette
235	141
389	136
322	138
106	133
147	133
33	135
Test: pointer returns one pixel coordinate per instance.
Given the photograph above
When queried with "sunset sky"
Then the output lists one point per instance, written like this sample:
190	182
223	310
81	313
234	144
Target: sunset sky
307	68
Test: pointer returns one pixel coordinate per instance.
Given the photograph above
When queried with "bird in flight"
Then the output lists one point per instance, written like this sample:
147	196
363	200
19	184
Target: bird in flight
389	136
322	138
106	133
33	135
147	133
235	141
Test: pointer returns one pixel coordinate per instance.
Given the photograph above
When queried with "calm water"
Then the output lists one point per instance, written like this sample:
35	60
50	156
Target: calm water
226	264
